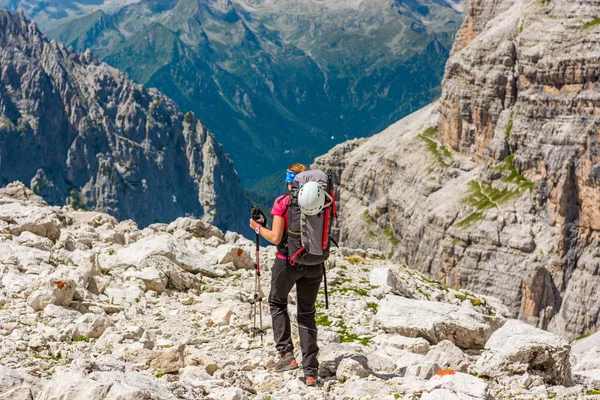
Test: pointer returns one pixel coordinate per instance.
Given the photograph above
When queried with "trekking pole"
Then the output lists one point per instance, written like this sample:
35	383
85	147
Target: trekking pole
333	214
260	217
325	287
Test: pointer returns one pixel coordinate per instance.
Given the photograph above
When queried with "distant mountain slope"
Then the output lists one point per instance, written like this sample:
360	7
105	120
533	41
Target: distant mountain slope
80	131
278	81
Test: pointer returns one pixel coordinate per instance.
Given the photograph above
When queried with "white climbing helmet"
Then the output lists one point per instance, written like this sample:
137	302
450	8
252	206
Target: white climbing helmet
311	198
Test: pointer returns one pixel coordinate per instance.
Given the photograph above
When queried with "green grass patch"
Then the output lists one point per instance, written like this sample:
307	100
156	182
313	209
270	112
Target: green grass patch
389	234
81	339
476	302
367	217
509	126
470	220
160	374
373	306
592	23
371	234
460	296
347	337
582	336
355	259
512	175
423	293
593	392
439	151
322	319
357	290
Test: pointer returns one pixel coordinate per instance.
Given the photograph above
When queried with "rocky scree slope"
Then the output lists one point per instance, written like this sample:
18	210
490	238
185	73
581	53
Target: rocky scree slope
79	131
494	187
94	308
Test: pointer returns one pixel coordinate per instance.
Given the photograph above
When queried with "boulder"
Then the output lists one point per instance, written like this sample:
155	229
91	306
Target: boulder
350	368
53	291
24	257
234	254
221	316
230	393
331	355
18	393
152	278
196	357
177	278
581	347
102	381
90	326
422	371
456	386
364	389
129	292
193	376
168	360
448	356
436	321
585	360
196	227
11	378
416	345
517	348
385	278
29	239
40	220
186	254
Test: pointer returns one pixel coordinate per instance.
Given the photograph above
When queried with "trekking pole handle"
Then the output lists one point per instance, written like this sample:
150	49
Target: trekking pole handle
259	216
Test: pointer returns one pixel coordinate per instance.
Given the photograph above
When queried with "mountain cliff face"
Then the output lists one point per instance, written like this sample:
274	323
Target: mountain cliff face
495	187
275	81
81	132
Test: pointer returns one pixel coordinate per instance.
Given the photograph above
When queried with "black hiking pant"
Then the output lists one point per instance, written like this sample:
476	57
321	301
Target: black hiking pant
307	279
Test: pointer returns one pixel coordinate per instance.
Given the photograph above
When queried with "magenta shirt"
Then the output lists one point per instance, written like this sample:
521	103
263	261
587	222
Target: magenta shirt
280	206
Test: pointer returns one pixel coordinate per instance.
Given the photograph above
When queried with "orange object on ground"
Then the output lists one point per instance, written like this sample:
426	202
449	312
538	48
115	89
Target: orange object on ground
443	372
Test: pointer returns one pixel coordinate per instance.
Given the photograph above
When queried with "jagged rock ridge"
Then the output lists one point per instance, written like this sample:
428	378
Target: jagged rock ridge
494	188
80	132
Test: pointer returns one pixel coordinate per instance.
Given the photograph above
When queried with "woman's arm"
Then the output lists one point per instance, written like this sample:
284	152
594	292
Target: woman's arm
275	234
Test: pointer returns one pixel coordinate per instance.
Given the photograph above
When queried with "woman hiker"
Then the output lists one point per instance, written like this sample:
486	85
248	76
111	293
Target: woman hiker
283	277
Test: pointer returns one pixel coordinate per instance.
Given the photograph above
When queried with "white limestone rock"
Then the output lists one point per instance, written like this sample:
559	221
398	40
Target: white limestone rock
436	321
357	389
518	348
52	291
416	345
90	326
168	360
458	385
448	356
349	368
185	253
331	355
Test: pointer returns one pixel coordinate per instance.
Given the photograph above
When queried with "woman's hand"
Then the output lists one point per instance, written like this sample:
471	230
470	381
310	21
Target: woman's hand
253	224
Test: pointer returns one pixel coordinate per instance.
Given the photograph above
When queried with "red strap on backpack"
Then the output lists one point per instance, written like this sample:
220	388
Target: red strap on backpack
293	259
328	212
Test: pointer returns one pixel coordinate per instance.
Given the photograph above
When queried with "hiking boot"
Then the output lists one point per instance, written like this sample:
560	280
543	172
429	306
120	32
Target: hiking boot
310	381
286	363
